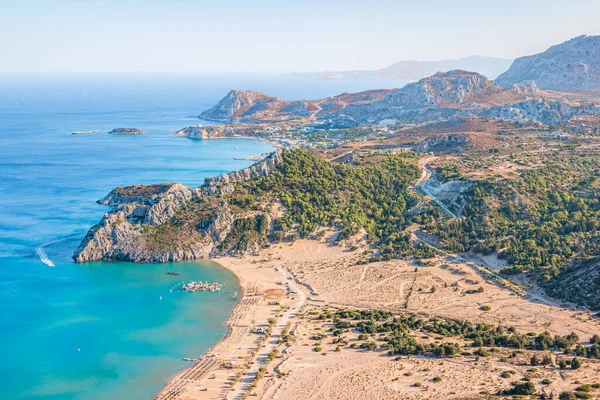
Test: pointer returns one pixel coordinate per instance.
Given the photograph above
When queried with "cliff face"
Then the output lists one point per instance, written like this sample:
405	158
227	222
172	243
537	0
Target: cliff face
568	67
120	233
172	222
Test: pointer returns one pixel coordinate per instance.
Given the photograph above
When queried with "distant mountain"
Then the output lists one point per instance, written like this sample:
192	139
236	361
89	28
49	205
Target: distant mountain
443	96
568	67
458	93
249	106
414	70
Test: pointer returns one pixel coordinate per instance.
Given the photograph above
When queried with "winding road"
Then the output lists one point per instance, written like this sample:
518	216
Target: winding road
423	185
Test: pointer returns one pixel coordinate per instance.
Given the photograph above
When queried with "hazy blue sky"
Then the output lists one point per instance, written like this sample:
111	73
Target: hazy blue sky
265	35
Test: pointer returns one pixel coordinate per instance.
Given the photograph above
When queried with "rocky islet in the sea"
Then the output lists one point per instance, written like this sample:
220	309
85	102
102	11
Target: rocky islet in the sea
127	131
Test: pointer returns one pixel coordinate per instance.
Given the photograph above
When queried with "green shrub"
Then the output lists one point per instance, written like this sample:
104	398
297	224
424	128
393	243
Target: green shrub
521	388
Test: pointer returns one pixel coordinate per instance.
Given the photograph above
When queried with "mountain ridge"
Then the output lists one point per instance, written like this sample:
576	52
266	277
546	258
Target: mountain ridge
572	66
445	95
413	70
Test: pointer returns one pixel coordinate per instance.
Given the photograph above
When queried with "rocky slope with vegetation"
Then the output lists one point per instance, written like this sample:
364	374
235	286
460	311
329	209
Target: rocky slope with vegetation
572	66
237	213
543	220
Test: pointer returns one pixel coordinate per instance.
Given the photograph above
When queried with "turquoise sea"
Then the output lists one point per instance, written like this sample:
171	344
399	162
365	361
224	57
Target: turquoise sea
106	330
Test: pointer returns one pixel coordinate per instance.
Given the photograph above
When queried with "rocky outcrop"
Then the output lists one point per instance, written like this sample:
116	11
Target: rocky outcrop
441	143
235	104
568	67
127	131
261	168
170	221
137	193
129	232
120	233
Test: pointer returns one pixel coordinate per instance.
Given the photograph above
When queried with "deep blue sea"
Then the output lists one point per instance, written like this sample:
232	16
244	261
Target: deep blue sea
106	330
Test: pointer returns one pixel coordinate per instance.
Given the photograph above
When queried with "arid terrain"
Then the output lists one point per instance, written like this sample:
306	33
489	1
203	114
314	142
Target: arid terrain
326	277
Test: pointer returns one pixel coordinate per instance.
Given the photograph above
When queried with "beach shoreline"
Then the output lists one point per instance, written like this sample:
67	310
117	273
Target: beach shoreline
328	275
227	324
258	302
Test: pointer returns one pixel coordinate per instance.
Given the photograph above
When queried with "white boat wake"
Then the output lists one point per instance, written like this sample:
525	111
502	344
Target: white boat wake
43	256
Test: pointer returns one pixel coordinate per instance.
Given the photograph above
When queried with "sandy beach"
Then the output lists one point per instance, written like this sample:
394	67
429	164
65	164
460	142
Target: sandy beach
287	284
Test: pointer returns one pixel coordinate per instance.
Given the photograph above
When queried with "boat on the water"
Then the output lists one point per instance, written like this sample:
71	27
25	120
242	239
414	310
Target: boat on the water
202	287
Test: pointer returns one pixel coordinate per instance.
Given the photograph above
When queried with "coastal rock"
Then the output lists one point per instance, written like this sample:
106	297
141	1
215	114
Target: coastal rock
258	169
172	222
137	193
127	131
568	67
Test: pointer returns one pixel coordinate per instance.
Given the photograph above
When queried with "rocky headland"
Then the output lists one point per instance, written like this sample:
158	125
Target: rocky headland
171	222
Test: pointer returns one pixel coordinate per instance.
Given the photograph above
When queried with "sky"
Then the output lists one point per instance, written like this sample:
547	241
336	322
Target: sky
185	36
